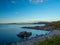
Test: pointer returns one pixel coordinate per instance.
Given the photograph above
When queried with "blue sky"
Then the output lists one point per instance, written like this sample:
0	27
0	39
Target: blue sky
29	10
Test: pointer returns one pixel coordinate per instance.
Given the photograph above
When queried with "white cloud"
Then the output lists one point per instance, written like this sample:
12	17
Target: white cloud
36	1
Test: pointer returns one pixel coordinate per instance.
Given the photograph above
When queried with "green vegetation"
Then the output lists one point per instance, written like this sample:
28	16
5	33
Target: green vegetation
55	25
54	41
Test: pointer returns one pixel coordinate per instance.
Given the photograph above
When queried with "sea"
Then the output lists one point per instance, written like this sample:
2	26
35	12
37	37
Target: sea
8	32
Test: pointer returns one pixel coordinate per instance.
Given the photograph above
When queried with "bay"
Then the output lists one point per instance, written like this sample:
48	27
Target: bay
8	32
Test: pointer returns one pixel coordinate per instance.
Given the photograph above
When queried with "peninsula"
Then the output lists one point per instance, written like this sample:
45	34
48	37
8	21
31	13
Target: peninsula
48	26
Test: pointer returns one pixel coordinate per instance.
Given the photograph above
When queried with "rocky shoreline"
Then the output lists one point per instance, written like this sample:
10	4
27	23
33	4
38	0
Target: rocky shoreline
38	38
48	28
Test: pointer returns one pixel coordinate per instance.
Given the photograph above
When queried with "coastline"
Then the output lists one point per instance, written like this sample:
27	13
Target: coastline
47	28
54	29
38	38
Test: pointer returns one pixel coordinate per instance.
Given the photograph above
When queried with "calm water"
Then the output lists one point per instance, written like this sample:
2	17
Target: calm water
8	32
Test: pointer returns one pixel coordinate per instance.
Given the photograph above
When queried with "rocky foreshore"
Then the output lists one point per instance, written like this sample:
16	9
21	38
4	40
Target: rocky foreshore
38	38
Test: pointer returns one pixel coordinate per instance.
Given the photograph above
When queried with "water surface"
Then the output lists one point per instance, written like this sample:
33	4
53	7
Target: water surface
8	32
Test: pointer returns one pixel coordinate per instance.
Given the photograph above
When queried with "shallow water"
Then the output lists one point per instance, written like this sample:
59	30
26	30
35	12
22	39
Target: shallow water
8	32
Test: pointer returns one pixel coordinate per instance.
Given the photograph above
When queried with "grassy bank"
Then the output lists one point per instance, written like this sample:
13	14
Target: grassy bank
54	41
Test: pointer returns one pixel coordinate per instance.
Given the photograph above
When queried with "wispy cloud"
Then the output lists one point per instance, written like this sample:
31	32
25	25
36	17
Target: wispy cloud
13	1
37	1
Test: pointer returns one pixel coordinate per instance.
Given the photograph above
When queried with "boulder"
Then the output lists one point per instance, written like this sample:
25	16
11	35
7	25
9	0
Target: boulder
24	34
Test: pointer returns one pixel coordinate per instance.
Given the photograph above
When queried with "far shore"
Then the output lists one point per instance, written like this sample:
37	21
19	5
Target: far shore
48	26
42	28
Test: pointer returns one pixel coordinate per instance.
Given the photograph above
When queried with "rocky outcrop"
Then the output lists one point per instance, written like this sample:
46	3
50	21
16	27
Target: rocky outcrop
24	34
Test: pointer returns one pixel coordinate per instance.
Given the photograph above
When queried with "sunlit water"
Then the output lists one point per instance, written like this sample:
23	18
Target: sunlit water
8	32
